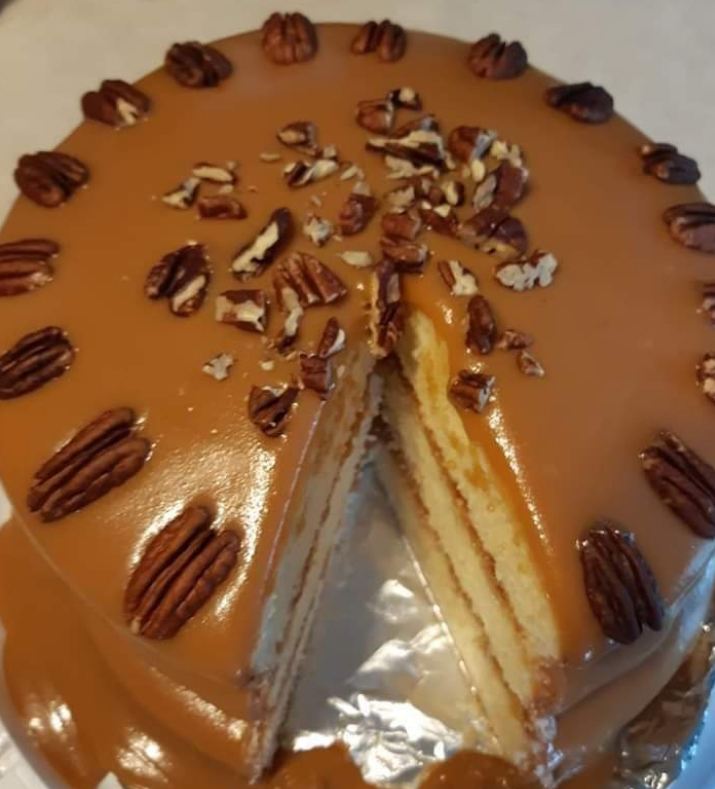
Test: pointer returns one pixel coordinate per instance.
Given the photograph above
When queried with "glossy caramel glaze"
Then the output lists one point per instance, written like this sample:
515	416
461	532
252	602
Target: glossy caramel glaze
618	334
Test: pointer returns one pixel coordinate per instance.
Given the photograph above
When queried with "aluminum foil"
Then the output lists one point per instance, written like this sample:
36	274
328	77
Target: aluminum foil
384	678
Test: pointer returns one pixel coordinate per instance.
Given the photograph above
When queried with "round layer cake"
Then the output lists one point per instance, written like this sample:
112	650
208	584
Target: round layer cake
285	248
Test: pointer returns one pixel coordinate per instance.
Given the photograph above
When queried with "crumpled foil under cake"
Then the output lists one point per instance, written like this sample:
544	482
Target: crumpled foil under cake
382	675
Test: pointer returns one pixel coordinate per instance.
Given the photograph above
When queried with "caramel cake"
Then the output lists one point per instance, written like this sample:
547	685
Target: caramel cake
236	271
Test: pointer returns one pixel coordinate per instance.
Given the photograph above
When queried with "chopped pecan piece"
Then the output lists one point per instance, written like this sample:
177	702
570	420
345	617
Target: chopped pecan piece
196	65
582	101
301	136
220	207
404	225
49	178
501	188
514	340
312	281
33	361
402	198
269	408
183	196
219	367
318	230
297	174
387	39
179	571
182	277
376	115
356	258
289	38
316	373
357	211
246	309
116	103
495	231
693	225
482	327
252	258
26	265
472	390
706	375
493	58
101	456
215	173
440	218
289	302
620	585
707	304
454	193
519	275
408	257
418	146
683	480
387	316
458	278
332	340
467	143
667	164
529	364
424	123
405	98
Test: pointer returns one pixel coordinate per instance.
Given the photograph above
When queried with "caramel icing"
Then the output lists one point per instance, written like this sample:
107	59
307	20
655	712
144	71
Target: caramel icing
618	334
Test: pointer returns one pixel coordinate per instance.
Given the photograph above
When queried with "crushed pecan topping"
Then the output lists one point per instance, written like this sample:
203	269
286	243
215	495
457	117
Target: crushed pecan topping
386	309
219	367
418	146
116	103
472	389
215	173
387	39
101	456
502	188
620	585
332	340
582	101
529	364
467	143
458	278
26	265
683	481
289	302
297	174
407	256
289	38
49	178
246	309
252	258
405	98
693	225
493	58
706	375
423	123
182	196
482	327
301	136
356	258
454	193
514	340
357	210
495	231
316	373
270	408
441	218
376	115
182	277
667	164
404	225
401	198
33	361
707	304
220	207
311	280
179	571
536	270
196	65
318	230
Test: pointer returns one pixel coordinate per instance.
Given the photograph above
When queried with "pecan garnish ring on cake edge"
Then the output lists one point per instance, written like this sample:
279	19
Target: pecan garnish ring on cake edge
26	265
33	361
196	65
583	101
289	38
102	455
179	571
116	103
50	178
492	58
692	225
620	585
385	38
664	162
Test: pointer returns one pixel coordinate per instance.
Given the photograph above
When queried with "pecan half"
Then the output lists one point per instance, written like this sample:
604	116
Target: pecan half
116	103
26	265
297	174
101	456
620	585
49	178
196	65
252	258
246	309
495	231
467	143
493	58
404	225
316	373
332	340
376	115
706	375
289	38
472	390
220	207
458	278
182	196
269	408
182	277
707	304
582	101
387	39
502	188
356	211
312	281
667	164
178	572
408	257
387	314
683	480
482	327
693	225
33	361
529	364
538	269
